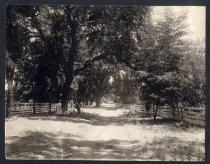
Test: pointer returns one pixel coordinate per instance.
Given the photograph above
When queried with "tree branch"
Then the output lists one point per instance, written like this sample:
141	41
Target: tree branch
126	62
89	62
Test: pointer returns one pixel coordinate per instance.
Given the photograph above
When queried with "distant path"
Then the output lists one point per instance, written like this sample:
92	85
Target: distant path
99	134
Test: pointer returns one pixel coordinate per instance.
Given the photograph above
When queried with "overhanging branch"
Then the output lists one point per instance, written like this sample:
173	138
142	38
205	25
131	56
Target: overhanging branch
88	63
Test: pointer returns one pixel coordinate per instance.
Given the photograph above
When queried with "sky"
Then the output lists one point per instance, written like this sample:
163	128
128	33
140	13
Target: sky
196	18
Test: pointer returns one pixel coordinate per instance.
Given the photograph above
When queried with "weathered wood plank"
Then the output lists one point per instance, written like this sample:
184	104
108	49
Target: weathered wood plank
192	115
195	122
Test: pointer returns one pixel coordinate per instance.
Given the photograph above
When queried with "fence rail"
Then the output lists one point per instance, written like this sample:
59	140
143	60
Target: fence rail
192	115
27	108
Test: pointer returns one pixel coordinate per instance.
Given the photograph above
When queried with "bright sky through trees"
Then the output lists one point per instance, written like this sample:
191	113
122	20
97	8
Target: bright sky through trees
196	18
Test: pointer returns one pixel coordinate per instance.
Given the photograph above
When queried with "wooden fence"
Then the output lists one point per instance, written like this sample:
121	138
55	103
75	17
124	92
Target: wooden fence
27	108
192	115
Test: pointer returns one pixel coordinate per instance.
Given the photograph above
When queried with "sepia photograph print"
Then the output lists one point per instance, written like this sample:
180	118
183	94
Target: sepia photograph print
105	82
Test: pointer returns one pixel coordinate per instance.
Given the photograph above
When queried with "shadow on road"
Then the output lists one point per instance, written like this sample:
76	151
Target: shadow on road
43	145
98	120
89	118
36	145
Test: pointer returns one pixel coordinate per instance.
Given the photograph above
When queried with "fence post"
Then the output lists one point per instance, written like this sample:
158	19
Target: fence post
34	107
50	107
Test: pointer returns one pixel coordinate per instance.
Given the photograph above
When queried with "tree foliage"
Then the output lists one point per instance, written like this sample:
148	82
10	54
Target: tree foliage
166	76
59	42
48	47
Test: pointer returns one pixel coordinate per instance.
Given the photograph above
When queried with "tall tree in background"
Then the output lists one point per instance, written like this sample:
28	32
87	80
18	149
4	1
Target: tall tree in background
162	71
193	73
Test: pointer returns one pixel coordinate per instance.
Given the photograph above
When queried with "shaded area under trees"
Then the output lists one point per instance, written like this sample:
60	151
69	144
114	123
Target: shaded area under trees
50	46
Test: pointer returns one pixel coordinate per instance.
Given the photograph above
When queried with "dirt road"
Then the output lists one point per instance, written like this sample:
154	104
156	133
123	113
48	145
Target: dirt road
100	134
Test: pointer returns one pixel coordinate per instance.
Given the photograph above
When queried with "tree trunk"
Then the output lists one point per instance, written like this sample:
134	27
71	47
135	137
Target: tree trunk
34	101
155	112
10	73
50	106
65	94
86	101
173	108
72	39
34	107
9	97
148	105
98	102
153	108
